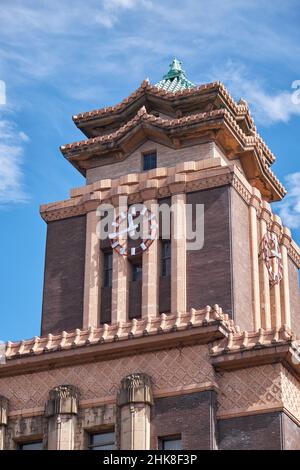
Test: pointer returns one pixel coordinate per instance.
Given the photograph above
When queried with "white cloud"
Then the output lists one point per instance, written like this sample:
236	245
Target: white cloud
267	107
111	10
11	160
2	92
289	209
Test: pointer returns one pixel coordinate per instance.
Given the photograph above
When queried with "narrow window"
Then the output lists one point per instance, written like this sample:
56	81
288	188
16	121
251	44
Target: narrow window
149	161
137	272
135	289
166	258
171	443
34	445
102	441
106	289
107	281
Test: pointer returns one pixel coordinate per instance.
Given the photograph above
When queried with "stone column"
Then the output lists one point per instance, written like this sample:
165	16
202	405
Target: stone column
93	272
61	411
3	419
120	281
151	271
178	254
275	289
254	210
285	291
135	400
265	218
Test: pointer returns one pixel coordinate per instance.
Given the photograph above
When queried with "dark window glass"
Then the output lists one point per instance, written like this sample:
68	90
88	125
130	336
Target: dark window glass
171	444
107	269
37	445
149	161
166	258
137	272
102	441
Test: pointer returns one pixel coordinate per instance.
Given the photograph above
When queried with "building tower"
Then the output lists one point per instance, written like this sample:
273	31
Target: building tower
163	338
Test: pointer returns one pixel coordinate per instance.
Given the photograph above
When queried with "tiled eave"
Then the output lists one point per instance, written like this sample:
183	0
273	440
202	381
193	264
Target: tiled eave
174	102
248	349
79	346
229	349
220	123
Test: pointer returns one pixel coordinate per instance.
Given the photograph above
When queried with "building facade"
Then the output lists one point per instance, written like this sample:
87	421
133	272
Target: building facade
158	342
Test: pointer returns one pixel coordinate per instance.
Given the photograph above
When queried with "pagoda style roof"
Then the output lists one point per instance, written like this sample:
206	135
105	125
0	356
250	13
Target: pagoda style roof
176	113
174	104
218	125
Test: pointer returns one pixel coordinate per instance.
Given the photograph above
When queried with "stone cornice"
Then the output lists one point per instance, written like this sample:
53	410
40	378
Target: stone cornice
82	346
192	176
294	253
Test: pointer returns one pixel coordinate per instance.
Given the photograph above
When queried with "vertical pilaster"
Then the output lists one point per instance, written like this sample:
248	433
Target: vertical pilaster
93	271
254	209
150	271
120	281
61	411
265	218
178	253
275	289
285	291
135	400
3	419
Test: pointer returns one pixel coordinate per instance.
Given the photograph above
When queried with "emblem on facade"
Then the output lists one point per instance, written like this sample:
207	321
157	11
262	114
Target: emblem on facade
134	231
271	255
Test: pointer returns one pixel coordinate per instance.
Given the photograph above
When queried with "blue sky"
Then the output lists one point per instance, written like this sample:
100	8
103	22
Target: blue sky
59	58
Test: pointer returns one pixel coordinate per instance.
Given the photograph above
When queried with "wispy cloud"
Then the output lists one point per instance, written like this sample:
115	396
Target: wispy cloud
267	106
112	9
289	209
11	161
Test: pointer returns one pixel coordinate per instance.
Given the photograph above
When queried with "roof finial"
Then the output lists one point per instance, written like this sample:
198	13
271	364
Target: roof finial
175	79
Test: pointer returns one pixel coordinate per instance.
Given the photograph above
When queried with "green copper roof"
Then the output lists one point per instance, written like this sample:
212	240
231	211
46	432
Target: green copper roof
175	79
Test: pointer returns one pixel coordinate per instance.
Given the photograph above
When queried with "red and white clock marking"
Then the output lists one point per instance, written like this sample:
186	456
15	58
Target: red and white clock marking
133	222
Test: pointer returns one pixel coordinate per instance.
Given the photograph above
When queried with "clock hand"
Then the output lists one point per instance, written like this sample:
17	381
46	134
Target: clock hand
126	230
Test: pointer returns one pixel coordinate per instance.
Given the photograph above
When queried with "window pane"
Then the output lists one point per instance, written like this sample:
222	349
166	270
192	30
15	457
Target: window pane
103	438
171	444
166	258
137	272
102	441
38	445
104	447
108	260
107	269
150	161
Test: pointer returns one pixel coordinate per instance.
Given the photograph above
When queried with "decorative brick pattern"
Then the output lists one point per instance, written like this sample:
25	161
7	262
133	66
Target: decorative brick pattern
247	390
169	369
259	388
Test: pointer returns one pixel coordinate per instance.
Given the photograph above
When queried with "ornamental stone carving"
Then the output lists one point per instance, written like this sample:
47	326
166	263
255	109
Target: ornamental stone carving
62	400
135	388
3	410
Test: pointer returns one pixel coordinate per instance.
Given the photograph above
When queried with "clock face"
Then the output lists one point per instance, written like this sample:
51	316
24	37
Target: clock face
133	231
271	255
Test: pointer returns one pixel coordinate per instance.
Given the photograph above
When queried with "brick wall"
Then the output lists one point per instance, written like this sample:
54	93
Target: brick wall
295	297
191	416
64	275
257	432
291	433
166	156
209	269
241	265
